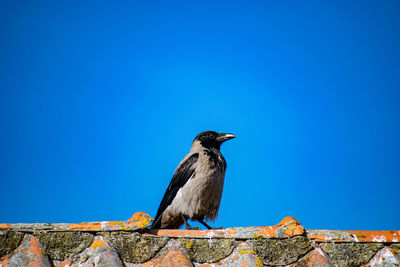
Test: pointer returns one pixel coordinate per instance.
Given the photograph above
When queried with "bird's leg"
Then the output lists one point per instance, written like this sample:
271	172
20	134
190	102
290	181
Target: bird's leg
201	220
188	227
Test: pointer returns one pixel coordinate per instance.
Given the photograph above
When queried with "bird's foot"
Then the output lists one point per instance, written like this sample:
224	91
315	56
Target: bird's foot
209	227
188	227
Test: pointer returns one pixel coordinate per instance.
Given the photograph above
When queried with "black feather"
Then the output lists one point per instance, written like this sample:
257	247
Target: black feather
181	176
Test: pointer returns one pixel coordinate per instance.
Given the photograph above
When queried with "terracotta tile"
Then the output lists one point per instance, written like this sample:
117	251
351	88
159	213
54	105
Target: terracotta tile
353	236
243	255
172	254
4	261
315	258
101	254
5	225
29	253
288	227
140	219
384	258
292	226
85	226
65	263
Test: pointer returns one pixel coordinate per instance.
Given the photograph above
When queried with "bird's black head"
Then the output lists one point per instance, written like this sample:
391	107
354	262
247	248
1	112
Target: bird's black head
211	139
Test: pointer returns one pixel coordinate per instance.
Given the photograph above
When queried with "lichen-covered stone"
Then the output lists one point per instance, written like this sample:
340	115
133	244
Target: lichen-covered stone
350	254
208	250
29	253
316	258
395	249
288	227
242	255
62	245
9	241
99	254
133	247
384	258
140	219
173	254
281	251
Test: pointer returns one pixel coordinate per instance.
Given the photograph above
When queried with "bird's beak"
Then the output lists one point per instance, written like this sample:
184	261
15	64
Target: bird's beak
222	137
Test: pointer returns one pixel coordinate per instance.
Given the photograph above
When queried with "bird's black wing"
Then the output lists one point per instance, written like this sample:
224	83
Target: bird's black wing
181	176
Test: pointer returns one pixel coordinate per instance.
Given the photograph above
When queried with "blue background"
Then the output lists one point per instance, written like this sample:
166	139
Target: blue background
99	102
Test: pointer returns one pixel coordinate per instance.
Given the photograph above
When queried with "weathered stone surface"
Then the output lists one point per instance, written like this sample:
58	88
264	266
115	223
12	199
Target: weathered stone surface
350	254
281	251
29	253
316	258
241	256
289	227
102	254
62	245
9	241
140	219
395	249
329	235
384	258
173	254
133	247
130	244
353	236
99	254
208	250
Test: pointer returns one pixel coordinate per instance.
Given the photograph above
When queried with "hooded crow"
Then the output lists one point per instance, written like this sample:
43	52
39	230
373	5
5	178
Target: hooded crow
195	190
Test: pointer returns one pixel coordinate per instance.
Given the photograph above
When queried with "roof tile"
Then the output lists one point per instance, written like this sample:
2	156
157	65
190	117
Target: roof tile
316	258
29	253
129	243
173	254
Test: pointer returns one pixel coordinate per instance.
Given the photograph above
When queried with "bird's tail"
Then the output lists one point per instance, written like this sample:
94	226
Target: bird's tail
156	223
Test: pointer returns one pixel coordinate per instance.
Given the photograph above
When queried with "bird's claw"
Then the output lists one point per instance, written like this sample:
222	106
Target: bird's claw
192	228
217	228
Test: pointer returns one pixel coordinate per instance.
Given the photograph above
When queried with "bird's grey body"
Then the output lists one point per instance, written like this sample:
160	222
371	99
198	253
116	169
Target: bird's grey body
195	190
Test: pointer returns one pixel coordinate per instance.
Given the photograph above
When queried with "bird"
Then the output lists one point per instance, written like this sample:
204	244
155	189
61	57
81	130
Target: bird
196	187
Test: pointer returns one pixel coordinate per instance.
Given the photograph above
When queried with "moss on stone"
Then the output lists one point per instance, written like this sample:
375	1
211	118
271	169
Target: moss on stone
208	250
395	249
275	251
63	245
9	241
133	247
360	235
350	254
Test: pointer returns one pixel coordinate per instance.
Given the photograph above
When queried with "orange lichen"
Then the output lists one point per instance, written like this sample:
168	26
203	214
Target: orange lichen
5	225
97	244
4	261
140	219
315	258
118	225
37	252
267	231
358	235
289	225
172	258
293	227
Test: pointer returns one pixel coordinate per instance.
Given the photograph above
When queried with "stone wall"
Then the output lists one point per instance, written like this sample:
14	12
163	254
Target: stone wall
130	243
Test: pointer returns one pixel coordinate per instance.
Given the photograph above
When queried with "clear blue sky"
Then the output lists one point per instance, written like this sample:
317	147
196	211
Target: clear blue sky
99	102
